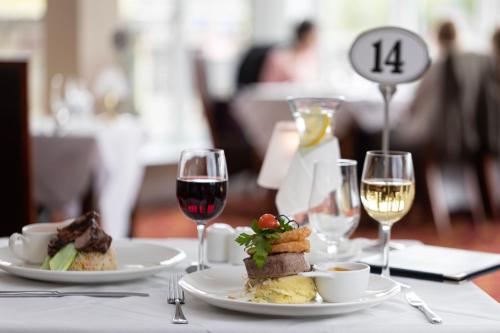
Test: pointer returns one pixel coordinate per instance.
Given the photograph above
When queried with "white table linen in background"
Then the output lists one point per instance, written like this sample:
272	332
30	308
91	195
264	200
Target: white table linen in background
104	155
464	308
64	169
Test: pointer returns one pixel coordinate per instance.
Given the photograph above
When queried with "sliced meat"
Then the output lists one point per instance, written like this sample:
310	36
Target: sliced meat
85	239
278	265
101	244
94	239
85	231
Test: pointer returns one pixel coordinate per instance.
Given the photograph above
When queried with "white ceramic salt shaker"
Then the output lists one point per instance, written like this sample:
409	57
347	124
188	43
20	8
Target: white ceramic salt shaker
217	233
236	251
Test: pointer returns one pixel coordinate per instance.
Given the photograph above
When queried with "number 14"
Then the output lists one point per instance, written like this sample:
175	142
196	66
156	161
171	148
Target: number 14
393	58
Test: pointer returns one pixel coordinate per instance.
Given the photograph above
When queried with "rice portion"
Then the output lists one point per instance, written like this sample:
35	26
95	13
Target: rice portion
95	261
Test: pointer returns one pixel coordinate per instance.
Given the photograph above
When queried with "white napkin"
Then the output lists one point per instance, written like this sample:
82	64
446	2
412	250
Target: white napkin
295	189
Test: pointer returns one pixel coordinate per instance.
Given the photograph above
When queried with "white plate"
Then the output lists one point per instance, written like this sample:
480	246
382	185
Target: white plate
135	259
214	285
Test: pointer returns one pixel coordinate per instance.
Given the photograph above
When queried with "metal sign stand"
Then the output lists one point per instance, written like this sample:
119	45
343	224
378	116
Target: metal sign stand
387	91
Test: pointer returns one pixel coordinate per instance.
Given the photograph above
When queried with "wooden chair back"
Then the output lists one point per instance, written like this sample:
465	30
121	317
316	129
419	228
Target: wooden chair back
16	202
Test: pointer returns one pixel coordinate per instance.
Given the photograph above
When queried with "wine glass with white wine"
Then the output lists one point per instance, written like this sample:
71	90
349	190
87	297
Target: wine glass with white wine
387	192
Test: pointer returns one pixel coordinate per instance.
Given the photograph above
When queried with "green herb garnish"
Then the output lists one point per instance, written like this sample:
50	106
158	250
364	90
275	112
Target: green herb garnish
258	245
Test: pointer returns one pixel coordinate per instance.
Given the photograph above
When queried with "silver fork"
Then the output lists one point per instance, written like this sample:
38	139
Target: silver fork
418	303
176	296
415	301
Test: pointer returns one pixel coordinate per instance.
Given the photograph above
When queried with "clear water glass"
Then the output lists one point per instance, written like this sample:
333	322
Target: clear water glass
334	207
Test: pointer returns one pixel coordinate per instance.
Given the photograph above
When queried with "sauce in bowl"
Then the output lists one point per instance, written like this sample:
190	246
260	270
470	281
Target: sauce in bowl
338	269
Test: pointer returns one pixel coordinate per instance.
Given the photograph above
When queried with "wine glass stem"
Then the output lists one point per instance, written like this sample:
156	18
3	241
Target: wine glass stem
332	250
386	237
201	246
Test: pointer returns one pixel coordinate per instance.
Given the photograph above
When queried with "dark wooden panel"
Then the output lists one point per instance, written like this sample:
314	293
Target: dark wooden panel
15	177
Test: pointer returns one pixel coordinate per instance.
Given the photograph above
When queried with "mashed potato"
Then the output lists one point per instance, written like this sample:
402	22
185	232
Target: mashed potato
95	261
293	289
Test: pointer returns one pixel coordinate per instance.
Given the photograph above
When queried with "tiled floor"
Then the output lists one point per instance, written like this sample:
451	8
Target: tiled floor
170	222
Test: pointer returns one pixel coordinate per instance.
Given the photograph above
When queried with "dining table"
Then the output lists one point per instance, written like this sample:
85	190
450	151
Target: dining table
89	153
464	307
259	107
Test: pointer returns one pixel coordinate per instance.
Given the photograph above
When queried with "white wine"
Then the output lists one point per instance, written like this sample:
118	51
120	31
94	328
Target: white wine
387	200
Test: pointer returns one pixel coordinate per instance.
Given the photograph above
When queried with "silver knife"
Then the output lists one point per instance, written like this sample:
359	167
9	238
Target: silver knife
54	293
417	302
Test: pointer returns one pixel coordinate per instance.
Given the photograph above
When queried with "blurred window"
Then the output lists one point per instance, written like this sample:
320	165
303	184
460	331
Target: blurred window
22	34
165	33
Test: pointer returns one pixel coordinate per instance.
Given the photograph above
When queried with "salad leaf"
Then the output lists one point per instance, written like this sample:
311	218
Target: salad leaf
45	264
63	258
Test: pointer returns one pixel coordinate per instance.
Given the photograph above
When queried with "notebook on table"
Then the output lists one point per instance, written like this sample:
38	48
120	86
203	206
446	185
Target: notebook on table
437	263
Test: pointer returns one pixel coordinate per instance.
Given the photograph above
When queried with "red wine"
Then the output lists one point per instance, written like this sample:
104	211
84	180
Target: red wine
201	198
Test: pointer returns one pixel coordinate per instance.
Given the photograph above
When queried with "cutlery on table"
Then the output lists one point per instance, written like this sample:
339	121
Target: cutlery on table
176	296
55	293
418	303
415	301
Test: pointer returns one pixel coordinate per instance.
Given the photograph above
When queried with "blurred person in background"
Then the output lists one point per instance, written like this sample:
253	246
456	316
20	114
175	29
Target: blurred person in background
488	124
489	102
295	63
443	110
442	121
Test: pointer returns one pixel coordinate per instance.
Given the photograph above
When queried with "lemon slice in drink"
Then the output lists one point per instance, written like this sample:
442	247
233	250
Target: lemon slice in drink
316	128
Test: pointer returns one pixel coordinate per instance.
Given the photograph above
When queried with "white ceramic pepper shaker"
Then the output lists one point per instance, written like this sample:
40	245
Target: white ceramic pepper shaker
217	250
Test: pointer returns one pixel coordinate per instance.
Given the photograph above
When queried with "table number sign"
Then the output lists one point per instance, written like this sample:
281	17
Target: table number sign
389	56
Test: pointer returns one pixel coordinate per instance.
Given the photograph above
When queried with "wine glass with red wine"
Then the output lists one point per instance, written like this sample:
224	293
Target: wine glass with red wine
201	190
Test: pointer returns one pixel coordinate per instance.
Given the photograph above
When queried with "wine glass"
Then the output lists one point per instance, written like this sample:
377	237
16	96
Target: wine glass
387	192
334	202
201	190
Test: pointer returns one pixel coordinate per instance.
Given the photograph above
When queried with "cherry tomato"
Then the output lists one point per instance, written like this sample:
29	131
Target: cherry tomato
268	221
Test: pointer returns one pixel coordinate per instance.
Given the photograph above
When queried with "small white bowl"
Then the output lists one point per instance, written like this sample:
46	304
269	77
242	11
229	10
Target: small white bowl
342	286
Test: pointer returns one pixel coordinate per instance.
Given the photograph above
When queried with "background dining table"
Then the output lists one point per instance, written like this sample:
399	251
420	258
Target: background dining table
259	107
100	155
464	308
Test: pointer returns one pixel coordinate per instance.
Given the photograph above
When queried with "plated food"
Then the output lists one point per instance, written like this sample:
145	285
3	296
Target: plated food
223	287
136	259
278	271
79	251
276	256
81	246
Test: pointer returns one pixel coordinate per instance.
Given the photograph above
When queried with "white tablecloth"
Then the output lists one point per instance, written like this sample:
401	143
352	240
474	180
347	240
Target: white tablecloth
104	155
464	308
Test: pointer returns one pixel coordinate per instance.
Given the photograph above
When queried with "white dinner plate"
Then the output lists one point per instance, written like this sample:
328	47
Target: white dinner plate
135	260
215	285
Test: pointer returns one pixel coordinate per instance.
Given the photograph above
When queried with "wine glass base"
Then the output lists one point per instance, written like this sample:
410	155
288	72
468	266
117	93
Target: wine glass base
194	268
378	246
